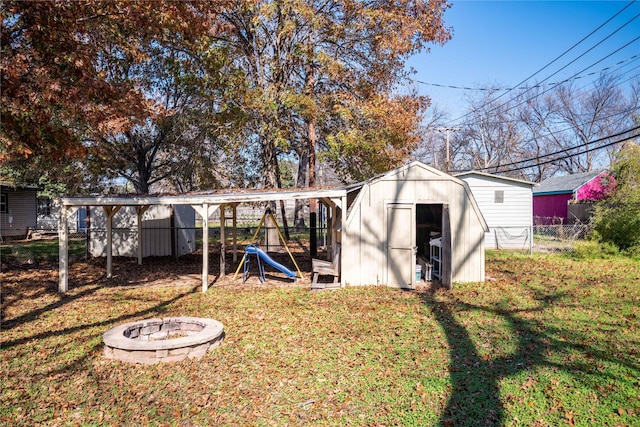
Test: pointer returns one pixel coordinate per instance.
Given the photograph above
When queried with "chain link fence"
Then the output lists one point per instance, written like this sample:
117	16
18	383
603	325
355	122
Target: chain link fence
558	238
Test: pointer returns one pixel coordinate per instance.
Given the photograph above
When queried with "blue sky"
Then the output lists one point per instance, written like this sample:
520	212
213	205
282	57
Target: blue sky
501	43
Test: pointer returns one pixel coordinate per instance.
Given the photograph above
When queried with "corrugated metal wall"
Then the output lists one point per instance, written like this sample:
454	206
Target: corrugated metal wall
509	220
156	231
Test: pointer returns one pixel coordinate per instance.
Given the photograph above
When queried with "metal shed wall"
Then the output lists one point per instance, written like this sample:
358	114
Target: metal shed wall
509	220
365	250
156	231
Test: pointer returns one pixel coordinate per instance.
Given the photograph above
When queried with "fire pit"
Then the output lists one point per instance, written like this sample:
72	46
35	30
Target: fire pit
162	340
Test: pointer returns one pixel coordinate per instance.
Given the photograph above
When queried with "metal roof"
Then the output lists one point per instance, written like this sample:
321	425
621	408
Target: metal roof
565	184
492	176
213	198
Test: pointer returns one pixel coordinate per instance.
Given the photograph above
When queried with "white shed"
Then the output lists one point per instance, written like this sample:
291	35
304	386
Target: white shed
167	230
507	206
393	218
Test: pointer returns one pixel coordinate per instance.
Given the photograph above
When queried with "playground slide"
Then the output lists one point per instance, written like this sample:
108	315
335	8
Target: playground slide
262	254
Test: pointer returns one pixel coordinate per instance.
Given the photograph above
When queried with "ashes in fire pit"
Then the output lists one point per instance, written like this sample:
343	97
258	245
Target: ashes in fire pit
162	340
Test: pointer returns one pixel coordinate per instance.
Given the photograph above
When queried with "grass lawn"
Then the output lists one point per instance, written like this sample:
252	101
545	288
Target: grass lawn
546	341
37	251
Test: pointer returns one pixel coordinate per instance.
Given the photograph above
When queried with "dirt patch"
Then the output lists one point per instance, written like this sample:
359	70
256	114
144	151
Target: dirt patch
169	271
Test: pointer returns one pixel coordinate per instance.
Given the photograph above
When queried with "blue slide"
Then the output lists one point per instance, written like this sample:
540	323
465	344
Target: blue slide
251	249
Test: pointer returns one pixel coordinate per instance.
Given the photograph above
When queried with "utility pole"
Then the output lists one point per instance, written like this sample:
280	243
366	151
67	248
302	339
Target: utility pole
447	164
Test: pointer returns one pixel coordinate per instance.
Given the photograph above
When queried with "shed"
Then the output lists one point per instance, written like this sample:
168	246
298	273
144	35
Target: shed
551	198
18	210
384	225
507	206
400	216
49	216
166	230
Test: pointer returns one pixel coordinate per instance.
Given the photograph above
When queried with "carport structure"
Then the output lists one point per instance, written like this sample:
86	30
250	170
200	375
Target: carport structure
203	203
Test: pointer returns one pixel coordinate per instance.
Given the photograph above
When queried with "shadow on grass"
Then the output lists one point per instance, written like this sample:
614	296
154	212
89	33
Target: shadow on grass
475	396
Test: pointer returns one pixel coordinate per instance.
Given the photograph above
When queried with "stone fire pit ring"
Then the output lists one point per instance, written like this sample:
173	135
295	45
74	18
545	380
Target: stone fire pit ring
162	340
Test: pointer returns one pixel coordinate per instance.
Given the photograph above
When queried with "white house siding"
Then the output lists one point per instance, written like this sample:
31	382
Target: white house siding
509	222
156	231
21	213
365	257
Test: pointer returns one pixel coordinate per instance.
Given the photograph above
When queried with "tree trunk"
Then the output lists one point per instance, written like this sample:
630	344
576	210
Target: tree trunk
311	140
301	182
313	203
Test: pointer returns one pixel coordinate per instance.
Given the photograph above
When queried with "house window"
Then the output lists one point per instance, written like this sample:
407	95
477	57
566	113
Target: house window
44	207
4	206
498	196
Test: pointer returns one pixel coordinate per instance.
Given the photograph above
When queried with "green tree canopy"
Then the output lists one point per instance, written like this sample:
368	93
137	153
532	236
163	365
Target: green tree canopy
617	218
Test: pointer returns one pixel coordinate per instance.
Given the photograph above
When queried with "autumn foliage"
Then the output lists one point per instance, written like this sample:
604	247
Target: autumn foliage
58	63
78	74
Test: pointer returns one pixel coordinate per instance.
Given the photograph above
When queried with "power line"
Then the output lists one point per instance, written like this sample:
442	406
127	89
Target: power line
561	55
562	82
537	85
566	150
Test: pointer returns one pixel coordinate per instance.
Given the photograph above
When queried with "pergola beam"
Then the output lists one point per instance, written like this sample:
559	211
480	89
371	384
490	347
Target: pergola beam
204	204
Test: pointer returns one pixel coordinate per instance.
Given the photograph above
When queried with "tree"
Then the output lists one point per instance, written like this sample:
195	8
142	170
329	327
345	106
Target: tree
576	122
307	62
431	148
617	218
56	59
373	135
490	135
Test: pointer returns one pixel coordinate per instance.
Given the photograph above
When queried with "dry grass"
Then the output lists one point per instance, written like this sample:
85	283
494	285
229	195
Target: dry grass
546	341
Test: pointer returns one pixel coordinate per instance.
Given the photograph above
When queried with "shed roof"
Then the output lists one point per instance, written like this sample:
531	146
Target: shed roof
213	197
492	176
403	170
566	184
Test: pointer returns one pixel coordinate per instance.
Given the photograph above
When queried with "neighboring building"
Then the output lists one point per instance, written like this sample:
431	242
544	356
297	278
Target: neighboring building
166	231
18	210
507	206
398	216
552	197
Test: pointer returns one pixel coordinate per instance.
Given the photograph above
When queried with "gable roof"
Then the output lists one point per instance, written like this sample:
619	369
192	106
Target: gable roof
416	165
566	184
462	175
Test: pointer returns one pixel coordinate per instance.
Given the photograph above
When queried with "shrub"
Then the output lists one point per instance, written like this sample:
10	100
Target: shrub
590	249
616	219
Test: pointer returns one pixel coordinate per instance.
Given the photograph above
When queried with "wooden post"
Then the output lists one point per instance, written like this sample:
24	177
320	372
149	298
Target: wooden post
63	247
205	247
235	232
63	251
140	210
343	227
205	210
110	211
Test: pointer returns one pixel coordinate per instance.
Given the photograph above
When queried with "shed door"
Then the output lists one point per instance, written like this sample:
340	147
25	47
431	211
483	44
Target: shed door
401	261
